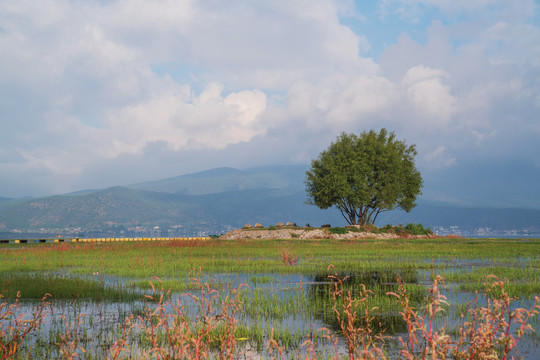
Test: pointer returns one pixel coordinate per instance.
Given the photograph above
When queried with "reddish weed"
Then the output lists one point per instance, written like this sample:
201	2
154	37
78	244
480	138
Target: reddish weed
350	311
173	333
288	258
424	340
487	331
13	326
69	343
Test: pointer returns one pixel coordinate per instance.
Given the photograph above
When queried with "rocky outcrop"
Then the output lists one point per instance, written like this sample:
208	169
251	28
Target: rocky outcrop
307	234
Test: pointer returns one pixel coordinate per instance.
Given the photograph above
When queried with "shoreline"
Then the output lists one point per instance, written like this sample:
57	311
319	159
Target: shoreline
314	234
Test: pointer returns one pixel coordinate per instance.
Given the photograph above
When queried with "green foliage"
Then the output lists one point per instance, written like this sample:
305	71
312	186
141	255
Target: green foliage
271	227
386	228
338	230
364	175
417	229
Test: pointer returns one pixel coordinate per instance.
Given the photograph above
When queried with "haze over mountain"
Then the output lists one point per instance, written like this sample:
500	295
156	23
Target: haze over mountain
229	179
216	200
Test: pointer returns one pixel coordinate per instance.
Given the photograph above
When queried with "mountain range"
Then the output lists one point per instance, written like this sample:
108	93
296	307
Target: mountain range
217	200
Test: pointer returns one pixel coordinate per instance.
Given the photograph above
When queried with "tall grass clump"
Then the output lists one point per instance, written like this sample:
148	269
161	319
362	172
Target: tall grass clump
288	257
491	331
172	332
354	316
15	325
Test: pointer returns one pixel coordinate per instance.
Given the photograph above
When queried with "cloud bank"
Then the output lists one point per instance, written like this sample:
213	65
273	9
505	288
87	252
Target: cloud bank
100	93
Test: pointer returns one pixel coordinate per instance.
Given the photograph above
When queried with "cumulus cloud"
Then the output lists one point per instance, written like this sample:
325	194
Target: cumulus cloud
209	120
424	89
101	85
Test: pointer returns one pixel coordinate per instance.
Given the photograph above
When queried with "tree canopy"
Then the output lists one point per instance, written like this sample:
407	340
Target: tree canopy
364	175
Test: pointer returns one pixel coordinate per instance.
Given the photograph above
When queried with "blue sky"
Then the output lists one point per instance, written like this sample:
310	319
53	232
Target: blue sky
104	93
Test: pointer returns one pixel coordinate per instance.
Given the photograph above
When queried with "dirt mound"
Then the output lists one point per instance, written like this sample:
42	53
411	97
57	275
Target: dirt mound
305	234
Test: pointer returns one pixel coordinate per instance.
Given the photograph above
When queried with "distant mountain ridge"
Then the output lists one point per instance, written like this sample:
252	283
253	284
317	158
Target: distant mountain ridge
216	200
227	179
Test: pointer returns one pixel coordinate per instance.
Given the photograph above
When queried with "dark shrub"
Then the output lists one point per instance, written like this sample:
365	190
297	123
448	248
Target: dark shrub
338	230
417	229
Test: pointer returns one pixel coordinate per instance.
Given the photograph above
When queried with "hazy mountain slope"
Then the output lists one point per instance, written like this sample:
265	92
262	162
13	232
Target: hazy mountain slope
7	203
220	198
228	179
266	206
107	207
128	207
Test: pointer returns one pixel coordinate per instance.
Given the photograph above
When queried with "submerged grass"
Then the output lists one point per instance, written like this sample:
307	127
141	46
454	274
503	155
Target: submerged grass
288	290
35	286
169	259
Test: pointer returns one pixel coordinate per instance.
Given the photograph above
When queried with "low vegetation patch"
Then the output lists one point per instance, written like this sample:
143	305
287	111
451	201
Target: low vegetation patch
338	230
36	286
410	229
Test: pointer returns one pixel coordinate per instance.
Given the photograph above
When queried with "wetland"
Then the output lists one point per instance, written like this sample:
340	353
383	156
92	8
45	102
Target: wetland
253	298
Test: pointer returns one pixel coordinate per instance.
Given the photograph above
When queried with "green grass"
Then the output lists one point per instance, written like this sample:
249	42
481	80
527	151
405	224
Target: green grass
83	271
35	286
144	260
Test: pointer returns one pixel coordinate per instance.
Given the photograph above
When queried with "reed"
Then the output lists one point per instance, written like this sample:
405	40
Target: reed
15	327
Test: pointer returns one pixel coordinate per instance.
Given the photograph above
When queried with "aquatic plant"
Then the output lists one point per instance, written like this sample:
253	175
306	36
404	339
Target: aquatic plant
361	340
14	327
495	329
288	258
172	332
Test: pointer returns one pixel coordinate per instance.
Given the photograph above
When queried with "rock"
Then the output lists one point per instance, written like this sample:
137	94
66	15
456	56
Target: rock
279	224
247	226
289	223
326	226
258	226
306	234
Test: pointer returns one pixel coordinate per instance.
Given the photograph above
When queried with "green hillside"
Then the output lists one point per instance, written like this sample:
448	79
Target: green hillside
101	208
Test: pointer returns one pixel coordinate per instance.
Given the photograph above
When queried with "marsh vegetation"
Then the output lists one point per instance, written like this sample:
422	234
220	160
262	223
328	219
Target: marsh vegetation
310	299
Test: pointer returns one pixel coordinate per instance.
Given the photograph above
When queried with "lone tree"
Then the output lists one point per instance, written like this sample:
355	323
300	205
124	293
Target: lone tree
364	175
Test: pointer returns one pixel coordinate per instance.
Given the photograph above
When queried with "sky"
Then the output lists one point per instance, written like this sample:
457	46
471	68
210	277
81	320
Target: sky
98	93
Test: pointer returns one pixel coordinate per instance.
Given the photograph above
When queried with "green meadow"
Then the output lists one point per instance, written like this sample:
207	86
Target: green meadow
267	298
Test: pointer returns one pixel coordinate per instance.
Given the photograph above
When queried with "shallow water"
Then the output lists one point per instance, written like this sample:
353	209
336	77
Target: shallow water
298	306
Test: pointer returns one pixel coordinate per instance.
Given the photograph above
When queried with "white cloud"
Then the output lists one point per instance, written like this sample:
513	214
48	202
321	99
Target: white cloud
423	87
85	83
184	121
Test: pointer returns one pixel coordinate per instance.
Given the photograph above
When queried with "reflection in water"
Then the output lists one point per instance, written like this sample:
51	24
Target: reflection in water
379	282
